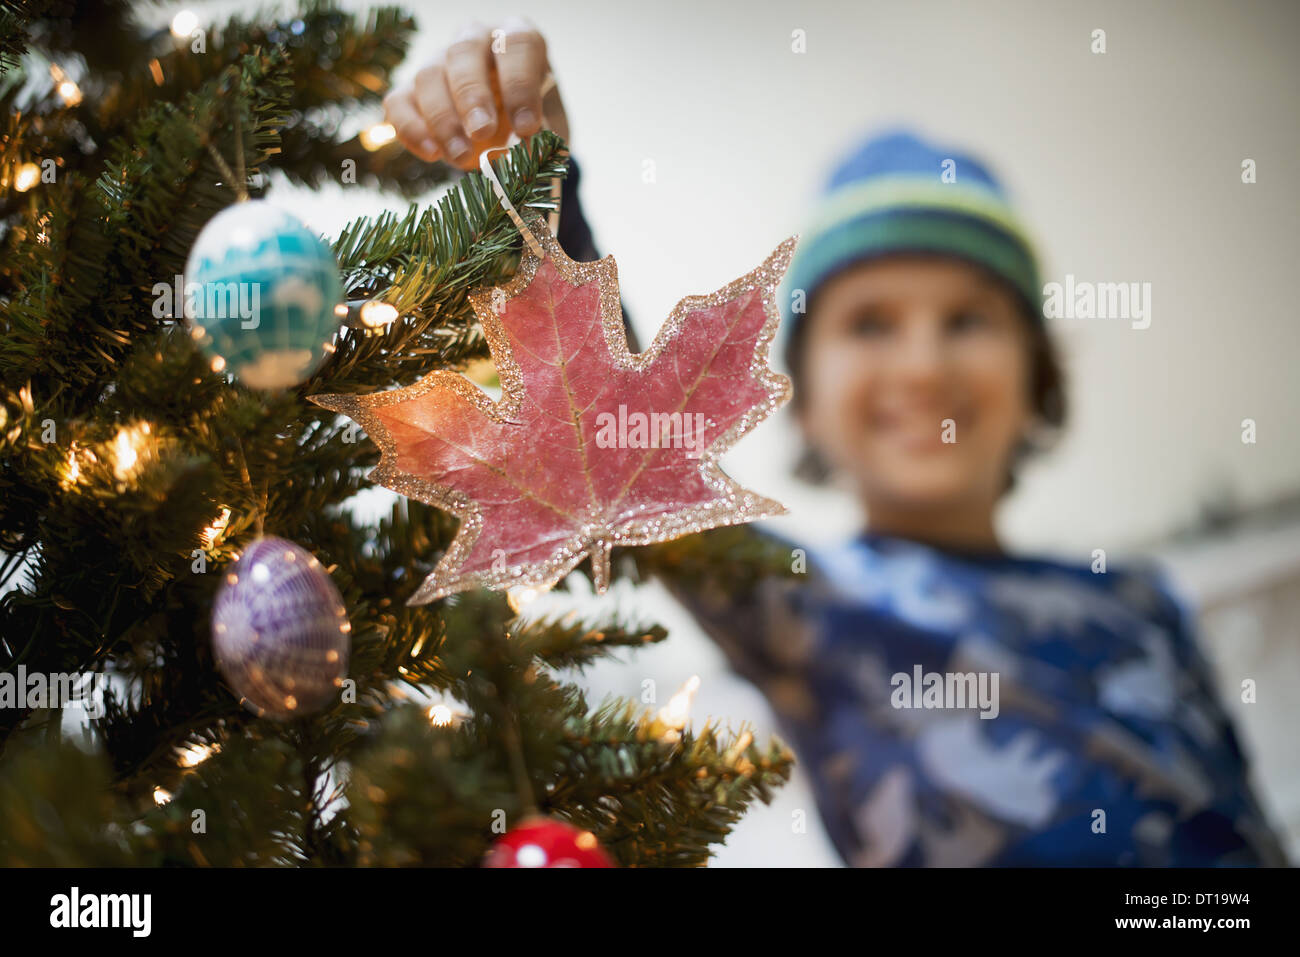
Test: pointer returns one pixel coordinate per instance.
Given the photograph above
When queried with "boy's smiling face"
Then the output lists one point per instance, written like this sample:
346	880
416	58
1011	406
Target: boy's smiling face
896	346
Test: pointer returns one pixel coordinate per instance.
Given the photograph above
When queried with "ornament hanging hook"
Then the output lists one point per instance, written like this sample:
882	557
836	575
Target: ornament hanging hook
260	517
238	183
241	193
485	166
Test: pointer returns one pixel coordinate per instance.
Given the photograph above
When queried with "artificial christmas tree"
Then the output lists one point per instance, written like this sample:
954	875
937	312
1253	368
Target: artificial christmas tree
137	470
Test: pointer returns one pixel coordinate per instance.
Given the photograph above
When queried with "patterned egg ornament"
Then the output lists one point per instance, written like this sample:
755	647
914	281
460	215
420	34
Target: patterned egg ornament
260	294
280	630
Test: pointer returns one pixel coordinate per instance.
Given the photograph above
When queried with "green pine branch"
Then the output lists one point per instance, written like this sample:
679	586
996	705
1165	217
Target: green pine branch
109	556
15	19
570	642
426	262
659	799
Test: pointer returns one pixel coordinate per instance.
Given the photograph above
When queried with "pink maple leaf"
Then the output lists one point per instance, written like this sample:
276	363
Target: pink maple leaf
590	446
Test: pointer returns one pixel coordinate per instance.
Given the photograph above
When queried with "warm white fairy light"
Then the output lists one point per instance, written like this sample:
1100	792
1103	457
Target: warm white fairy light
28	175
73	471
446	712
127	455
213	531
381	134
67	89
161	797
677	711
69	92
376	315
183	24
522	596
127	447
195	754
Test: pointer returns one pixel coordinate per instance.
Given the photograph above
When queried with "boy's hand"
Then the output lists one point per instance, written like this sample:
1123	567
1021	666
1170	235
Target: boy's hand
471	96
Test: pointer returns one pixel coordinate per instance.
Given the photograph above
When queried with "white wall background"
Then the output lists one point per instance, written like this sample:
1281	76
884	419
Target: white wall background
1125	165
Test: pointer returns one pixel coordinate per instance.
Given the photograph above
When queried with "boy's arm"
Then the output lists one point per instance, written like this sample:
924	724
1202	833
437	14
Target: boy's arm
739	585
575	236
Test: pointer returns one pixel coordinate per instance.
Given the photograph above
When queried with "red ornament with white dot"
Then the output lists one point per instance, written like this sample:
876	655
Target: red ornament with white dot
542	842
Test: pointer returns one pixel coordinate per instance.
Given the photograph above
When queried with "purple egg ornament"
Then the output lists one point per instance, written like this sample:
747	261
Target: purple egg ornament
280	630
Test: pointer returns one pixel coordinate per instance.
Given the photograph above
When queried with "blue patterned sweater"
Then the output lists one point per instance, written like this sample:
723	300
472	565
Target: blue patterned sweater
1102	741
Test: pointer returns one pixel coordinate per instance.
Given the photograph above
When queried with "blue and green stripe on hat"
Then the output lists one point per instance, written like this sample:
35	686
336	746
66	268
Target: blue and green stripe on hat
889	196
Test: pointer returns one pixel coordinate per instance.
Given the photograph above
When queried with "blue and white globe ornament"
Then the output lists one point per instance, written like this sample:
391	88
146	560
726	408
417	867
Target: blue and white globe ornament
280	631
261	293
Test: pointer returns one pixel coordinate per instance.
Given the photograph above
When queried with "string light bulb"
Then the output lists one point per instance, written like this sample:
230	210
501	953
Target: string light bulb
183	24
28	175
73	471
127	446
377	315
212	532
67	89
521	596
381	134
195	754
677	711
69	92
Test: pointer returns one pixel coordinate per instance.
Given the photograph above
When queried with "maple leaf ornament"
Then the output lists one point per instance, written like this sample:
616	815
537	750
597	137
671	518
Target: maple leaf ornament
590	446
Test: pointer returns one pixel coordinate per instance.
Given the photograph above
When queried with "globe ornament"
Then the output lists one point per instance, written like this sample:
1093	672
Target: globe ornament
280	631
260	295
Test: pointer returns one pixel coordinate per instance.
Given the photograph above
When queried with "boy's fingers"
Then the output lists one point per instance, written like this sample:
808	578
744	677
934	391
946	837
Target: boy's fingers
439	113
453	101
402	113
521	67
468	63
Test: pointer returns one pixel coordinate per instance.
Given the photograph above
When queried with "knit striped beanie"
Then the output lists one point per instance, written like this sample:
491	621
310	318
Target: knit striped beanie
891	195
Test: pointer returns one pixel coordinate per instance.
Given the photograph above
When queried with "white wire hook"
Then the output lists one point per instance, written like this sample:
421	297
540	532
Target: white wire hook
485	166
